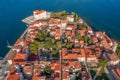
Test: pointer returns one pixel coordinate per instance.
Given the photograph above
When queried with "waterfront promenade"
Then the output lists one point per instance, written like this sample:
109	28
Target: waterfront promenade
3	63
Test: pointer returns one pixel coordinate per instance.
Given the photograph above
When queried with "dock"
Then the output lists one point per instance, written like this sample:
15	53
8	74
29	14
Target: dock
29	20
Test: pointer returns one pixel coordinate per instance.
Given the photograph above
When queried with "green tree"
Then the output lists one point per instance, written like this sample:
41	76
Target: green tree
82	26
42	35
89	41
60	14
78	76
47	70
118	50
70	70
34	47
79	37
69	45
54	52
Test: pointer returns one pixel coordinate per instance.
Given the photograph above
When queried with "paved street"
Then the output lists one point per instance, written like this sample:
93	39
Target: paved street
108	74
3	68
97	73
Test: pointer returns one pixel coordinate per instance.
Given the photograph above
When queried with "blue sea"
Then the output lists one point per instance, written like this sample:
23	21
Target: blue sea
103	15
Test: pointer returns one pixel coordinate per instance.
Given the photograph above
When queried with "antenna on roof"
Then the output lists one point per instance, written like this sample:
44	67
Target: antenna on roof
8	45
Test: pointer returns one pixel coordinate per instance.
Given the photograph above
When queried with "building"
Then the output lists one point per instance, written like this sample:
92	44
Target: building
40	14
70	18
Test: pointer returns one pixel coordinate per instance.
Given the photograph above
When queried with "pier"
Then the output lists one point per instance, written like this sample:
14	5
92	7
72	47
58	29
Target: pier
29	19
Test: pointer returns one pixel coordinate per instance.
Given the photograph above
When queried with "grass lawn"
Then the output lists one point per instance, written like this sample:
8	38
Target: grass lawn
102	75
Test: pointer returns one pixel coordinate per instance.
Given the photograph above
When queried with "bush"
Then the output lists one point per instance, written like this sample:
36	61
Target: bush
60	14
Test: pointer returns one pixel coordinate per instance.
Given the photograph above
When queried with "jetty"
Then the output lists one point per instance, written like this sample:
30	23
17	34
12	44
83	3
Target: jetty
29	19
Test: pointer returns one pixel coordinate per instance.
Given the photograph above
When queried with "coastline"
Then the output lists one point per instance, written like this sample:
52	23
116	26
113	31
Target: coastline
84	41
28	20
22	35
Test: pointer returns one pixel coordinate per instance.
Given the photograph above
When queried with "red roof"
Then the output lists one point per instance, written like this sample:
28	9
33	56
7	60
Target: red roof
20	56
82	32
95	39
36	12
65	75
112	56
13	75
89	29
117	70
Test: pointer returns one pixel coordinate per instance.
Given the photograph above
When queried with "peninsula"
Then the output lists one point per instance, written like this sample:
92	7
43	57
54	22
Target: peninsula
62	46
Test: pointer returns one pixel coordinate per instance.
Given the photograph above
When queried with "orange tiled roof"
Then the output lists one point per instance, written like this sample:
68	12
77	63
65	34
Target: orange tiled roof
88	51
65	75
11	55
23	63
19	40
35	78
76	50
89	29
13	75
39	11
95	39
81	42
82	32
20	56
117	70
112	56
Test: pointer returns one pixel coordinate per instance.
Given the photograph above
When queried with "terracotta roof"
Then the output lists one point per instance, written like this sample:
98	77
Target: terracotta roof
65	75
35	78
19	40
82	32
71	63
23	63
97	49
112	56
57	67
11	55
95	39
106	44
13	75
107	39
37	12
88	51
73	55
117	70
76	50
81	42
77	65
67	32
20	56
89	29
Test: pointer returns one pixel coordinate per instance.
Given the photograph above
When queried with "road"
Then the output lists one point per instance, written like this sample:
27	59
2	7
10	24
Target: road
3	68
108	74
97	73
